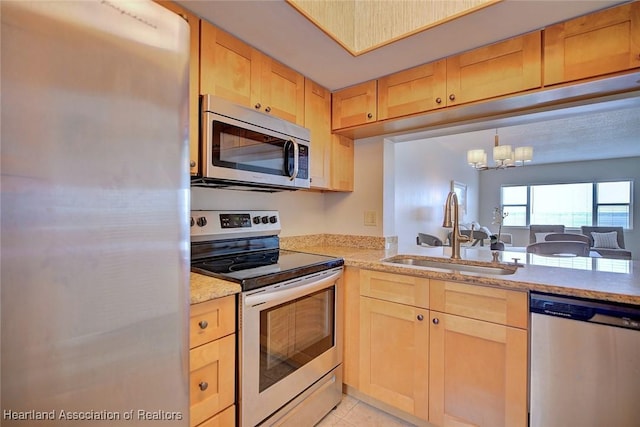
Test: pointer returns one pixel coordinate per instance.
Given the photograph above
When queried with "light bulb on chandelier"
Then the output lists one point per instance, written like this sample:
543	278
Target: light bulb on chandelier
503	156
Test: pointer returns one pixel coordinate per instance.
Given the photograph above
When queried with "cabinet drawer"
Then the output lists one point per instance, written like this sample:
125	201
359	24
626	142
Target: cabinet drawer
211	320
503	306
212	378
395	288
226	418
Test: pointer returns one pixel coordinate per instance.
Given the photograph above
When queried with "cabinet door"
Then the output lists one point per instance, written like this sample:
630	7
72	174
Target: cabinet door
503	306
593	45
351	344
342	159
355	105
225	65
226	418
416	90
212	378
394	355
194	82
399	288
211	320
502	68
478	373
279	90
317	118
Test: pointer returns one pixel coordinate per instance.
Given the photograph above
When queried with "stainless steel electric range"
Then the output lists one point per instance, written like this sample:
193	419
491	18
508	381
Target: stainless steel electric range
289	316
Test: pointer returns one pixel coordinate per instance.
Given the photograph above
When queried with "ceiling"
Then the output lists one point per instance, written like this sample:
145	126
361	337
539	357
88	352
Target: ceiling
277	29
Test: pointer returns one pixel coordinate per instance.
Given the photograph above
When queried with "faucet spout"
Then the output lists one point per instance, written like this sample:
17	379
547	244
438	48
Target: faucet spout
451	220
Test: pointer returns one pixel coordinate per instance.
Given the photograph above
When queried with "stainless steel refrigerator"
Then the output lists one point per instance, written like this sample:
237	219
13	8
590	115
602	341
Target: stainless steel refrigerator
94	208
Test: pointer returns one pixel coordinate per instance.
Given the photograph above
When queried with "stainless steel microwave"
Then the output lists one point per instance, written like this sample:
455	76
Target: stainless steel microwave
246	149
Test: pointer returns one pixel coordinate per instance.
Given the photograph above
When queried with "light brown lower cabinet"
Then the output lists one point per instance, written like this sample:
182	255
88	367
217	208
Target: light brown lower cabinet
478	373
394	354
461	361
212	363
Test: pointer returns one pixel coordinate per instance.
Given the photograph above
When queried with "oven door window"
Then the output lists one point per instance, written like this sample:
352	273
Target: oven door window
239	148
294	333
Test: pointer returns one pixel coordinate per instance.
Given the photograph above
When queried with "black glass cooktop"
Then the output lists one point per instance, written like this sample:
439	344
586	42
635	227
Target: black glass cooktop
253	270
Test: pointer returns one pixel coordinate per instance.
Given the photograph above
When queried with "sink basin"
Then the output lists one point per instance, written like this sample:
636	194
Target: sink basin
445	265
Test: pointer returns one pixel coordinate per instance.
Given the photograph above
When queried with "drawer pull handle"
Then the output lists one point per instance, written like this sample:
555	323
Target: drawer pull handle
203	385
436	320
420	317
203	324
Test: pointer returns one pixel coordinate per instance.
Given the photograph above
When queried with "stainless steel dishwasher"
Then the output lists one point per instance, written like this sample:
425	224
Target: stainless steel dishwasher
585	363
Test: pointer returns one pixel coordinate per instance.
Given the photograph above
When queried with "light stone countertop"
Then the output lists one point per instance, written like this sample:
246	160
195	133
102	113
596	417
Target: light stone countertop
205	288
597	278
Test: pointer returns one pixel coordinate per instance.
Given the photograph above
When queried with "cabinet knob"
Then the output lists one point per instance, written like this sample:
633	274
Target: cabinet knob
268	109
438	100
203	385
435	320
203	324
452	97
420	317
369	115
192	163
258	106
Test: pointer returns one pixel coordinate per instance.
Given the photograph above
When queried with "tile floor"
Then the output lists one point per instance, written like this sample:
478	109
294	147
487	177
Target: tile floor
351	412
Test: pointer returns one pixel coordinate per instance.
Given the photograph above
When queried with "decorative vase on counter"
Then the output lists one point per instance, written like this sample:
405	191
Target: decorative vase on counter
497	246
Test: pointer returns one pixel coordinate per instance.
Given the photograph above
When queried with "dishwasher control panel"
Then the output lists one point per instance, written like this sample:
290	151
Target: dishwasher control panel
586	310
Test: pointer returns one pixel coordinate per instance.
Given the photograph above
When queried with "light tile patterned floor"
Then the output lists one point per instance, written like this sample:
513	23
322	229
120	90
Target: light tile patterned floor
351	412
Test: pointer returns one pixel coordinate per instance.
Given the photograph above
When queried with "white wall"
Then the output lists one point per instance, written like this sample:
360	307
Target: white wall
301	212
615	169
312	212
345	211
424	170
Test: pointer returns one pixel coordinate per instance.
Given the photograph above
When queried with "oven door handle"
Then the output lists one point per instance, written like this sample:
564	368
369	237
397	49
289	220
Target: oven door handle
278	296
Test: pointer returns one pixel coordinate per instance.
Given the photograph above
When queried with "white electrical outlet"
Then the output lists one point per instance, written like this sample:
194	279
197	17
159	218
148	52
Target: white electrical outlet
370	218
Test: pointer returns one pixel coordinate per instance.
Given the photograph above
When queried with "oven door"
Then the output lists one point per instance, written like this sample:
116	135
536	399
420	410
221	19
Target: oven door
290	338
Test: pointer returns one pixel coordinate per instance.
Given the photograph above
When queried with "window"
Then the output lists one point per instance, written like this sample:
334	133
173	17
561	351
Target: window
574	205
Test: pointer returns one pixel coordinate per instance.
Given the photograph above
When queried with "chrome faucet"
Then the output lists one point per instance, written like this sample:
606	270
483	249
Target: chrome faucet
450	222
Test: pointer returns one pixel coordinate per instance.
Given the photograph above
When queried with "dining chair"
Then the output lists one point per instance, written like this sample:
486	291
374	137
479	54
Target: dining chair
537	232
428	239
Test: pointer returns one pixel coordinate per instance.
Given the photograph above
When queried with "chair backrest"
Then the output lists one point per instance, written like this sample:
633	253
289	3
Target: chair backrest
588	230
559	247
571	237
542	229
428	239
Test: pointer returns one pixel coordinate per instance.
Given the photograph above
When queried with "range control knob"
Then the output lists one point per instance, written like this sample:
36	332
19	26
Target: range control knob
273	219
265	219
256	220
193	222
202	221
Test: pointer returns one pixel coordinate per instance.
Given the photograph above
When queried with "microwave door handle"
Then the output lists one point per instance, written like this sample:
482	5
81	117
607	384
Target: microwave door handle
296	154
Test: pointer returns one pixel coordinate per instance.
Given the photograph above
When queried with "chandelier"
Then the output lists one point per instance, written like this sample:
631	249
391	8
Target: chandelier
503	156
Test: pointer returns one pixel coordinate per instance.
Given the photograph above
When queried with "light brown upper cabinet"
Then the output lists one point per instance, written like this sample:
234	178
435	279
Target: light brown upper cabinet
415	90
279	90
502	68
233	70
225	65
194	81
593	45
355	105
317	118
332	155
342	158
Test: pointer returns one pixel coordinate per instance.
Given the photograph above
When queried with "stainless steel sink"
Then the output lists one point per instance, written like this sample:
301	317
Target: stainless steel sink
445	265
